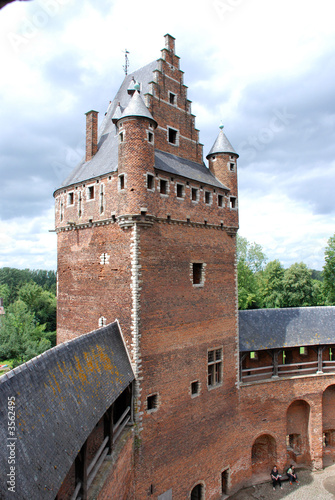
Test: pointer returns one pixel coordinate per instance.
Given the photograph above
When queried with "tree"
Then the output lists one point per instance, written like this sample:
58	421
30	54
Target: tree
250	262
41	303
272	285
21	336
298	286
329	272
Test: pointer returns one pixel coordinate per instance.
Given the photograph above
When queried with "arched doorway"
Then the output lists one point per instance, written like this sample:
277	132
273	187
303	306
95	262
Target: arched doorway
198	492
328	425
297	432
263	454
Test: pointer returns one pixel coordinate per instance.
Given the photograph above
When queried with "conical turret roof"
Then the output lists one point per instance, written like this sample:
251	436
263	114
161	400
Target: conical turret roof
221	145
136	107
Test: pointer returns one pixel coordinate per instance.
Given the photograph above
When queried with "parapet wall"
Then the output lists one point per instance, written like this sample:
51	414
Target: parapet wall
55	400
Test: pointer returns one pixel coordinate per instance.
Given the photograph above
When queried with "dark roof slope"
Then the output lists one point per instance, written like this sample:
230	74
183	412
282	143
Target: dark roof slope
297	326
59	397
105	161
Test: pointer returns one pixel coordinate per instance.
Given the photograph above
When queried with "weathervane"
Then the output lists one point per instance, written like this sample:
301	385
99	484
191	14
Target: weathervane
126	62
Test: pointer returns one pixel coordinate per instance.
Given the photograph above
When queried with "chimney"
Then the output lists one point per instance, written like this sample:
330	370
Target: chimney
91	134
169	43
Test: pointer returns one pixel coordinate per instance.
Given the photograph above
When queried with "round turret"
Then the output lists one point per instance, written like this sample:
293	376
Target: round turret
222	162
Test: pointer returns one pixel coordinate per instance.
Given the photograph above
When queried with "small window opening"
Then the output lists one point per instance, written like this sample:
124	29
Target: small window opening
195	388
90	192
150	137
102	321
213	157
303	351
232	167
172	136
232	202
172	98
197	273
224	482
121	181
180	190
150	181
194	194
214	367
79	205
220	200
208	197
163	186
330	354
70	199
254	355
121	135
152	402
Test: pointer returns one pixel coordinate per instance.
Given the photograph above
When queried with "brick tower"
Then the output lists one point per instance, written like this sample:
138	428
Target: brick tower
146	235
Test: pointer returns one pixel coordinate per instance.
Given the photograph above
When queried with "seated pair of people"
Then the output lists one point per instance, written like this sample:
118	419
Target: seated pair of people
276	477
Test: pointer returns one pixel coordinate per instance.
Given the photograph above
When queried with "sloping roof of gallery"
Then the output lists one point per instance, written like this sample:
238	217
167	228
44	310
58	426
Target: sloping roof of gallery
105	161
289	327
60	396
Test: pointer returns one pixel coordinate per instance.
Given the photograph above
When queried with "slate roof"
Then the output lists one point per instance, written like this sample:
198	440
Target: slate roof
221	145
60	396
275	328
105	161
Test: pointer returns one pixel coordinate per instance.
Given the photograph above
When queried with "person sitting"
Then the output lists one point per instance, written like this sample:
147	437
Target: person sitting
276	477
291	474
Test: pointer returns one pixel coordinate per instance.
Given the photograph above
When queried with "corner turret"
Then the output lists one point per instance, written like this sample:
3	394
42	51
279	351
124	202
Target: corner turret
222	162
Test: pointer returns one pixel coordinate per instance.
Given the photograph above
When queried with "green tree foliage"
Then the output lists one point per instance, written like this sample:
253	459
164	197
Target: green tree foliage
250	262
21	336
298	286
271	285
29	324
329	272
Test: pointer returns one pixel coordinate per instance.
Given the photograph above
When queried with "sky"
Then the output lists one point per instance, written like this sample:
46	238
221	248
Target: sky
266	69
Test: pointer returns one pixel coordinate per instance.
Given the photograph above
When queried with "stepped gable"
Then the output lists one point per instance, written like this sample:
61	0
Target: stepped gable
60	396
168	109
288	327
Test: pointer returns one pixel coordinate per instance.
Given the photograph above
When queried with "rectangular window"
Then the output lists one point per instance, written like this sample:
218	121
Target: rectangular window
172	98
254	355
220	200
195	388
214	367
194	194
150	136
232	167
152	402
172	135
163	186
208	197
121	181
121	136
232	202
197	273
70	198
150	181
90	193
303	351
180	190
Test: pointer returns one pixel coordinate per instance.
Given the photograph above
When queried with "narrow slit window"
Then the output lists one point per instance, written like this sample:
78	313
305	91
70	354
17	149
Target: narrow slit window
150	137
121	181
197	273
232	167
220	200
70	199
172	98
208	197
232	202
90	192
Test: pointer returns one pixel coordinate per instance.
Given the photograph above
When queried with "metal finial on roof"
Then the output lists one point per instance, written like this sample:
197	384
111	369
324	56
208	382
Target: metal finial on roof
126	62
221	126
137	86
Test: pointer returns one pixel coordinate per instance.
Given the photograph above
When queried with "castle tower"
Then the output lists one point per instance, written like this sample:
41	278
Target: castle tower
147	235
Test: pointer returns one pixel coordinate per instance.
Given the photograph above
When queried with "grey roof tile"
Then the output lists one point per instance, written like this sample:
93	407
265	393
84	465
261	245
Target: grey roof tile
221	145
297	326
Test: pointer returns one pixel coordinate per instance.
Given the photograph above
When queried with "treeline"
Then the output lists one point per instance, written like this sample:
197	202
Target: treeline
28	326
265	285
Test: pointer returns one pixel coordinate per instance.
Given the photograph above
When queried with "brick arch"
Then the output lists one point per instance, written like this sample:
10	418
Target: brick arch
263	454
297	432
328	424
